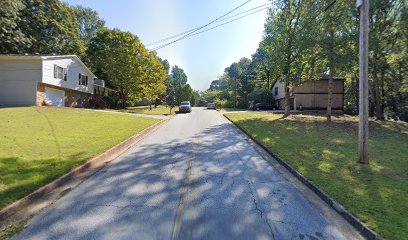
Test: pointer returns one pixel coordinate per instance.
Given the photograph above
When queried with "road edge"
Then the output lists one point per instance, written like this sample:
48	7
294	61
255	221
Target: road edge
342	211
91	165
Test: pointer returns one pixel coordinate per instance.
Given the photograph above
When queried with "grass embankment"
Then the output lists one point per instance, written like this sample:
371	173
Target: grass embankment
39	144
159	110
326	154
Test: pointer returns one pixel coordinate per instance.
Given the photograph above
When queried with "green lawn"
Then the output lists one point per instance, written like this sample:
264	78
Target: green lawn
327	153
39	144
159	110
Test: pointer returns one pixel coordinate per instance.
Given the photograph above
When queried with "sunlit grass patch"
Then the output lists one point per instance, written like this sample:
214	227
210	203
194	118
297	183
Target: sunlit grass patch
159	110
39	144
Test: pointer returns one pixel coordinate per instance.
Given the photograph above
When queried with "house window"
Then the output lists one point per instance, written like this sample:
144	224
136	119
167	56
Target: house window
82	79
60	72
276	91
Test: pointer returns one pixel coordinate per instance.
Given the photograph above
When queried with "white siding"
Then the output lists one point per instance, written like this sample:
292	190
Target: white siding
73	69
18	82
281	90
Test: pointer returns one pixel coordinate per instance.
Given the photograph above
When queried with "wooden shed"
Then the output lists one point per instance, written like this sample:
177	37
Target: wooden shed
311	95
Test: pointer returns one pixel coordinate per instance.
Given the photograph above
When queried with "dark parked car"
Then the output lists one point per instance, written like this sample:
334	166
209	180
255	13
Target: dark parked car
262	106
210	106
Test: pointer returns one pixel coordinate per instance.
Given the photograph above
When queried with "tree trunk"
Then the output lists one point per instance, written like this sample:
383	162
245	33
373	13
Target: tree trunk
235	94
268	79
376	92
382	90
123	97
287	98
371	103
329	96
331	76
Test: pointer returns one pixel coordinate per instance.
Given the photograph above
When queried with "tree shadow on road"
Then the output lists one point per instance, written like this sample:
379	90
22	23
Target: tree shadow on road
229	192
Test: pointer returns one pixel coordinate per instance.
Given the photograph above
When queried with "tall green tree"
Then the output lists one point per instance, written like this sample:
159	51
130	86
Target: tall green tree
233	72
198	98
163	97
210	96
246	80
302	42
264	65
182	90
288	29
122	60
154	83
179	76
166	65
382	36
12	38
183	93
332	44
171	93
89	23
52	27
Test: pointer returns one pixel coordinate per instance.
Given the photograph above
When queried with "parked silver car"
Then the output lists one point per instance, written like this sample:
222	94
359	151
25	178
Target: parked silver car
185	106
210	106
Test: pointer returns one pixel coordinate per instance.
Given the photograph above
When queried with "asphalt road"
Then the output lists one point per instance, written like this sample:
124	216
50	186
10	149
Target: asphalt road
196	177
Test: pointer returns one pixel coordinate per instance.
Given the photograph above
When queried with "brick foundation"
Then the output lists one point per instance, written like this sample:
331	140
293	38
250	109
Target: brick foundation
73	98
40	95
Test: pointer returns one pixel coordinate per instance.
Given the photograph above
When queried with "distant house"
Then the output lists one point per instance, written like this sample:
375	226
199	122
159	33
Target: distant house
310	95
27	80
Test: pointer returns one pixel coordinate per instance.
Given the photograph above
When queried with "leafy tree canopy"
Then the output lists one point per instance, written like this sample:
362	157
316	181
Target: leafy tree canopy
89	22
179	76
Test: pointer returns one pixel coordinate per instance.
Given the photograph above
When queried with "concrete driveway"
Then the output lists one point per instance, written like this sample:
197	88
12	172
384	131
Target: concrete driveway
196	177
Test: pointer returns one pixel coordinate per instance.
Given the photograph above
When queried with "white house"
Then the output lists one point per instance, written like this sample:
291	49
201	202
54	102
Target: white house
46	80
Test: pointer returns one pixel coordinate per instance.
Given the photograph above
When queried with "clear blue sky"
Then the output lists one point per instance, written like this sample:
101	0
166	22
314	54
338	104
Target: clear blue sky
203	57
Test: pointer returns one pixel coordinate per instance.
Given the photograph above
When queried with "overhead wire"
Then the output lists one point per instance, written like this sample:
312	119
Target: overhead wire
227	22
219	20
193	32
199	28
317	18
208	29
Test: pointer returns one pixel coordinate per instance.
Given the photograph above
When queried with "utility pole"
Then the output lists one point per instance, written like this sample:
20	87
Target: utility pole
363	6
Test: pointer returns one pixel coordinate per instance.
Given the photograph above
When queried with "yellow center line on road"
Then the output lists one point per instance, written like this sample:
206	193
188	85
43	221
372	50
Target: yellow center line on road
193	184
179	214
186	182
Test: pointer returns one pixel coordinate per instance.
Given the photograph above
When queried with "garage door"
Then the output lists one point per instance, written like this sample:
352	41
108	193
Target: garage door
54	97
17	93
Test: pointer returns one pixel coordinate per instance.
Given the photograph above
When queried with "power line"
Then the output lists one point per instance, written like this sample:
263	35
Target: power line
194	32
196	28
314	18
317	16
330	5
199	28
206	30
227	22
249	10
